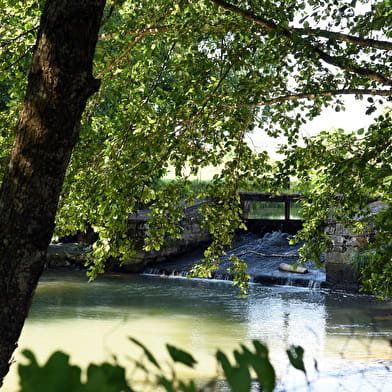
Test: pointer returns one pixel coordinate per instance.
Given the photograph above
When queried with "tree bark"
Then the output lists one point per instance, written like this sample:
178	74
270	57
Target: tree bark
59	84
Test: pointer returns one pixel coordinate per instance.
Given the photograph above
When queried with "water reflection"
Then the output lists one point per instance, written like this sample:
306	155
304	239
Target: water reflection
93	320
285	317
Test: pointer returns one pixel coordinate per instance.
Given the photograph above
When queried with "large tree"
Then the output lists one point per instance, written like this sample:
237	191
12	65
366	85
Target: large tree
183	83
59	83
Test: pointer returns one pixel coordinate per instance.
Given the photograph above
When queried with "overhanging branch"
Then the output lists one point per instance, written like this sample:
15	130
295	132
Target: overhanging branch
144	32
6	43
352	39
20	58
330	93
123	55
341	63
152	28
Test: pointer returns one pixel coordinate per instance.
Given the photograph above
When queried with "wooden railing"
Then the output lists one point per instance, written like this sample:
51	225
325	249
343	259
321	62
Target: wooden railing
286	198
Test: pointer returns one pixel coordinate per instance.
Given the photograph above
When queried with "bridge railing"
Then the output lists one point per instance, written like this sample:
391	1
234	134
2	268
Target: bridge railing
286	198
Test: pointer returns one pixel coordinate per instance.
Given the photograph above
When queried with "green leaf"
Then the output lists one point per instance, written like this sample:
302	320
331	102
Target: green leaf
55	375
264	370
166	383
147	352
295	354
370	110
190	387
238	377
181	356
106	378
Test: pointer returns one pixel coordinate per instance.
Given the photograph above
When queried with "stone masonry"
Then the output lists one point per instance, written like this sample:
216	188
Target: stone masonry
341	254
193	236
342	251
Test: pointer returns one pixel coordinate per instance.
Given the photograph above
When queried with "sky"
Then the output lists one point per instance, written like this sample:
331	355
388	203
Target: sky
352	119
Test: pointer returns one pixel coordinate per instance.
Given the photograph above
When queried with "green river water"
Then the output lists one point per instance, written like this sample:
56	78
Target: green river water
348	336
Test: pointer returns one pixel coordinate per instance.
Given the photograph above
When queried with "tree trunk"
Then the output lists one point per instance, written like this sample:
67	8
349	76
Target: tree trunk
59	84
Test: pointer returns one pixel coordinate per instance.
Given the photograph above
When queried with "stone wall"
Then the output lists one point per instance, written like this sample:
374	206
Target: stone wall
66	255
340	256
73	255
343	250
193	236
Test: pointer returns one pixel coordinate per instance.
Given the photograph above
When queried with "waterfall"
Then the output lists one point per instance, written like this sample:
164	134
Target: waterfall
262	255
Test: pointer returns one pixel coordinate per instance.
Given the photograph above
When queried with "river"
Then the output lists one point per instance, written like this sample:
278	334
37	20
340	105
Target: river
348	336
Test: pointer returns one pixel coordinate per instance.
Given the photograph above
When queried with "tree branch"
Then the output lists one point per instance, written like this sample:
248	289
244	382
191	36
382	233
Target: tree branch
330	93
165	29
20	58
144	32
332	60
120	57
350	67
110	13
268	25
7	43
266	255
364	42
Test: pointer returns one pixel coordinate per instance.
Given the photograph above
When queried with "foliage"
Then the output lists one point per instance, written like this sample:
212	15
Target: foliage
377	273
18	27
341	173
183	84
57	374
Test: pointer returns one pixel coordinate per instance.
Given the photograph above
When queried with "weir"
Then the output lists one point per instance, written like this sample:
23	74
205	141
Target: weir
263	256
264	247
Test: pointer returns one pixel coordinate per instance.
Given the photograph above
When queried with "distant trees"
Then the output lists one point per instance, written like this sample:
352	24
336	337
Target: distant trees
182	83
